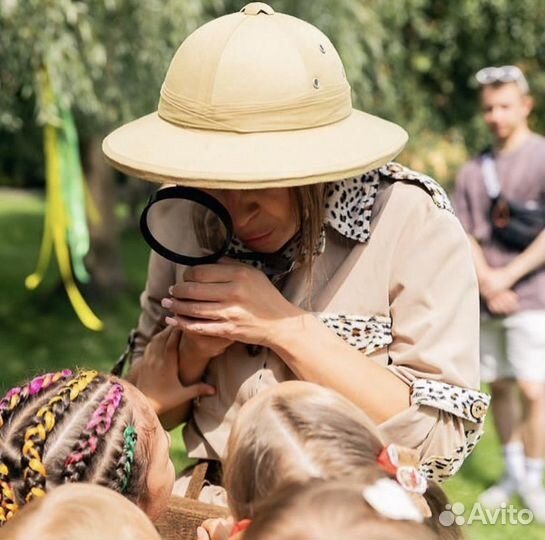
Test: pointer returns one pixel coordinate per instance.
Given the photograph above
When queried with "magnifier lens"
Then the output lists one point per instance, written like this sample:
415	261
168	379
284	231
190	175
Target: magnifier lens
186	226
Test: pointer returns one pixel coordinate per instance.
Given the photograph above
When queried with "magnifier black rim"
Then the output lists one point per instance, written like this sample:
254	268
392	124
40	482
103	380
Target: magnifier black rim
195	195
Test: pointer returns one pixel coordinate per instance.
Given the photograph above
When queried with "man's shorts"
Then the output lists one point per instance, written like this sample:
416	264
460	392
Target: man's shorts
514	347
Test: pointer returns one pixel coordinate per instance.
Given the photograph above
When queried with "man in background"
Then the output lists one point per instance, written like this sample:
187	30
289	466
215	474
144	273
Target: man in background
511	281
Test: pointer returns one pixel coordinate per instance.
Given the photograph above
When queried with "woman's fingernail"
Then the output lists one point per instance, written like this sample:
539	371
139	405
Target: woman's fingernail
166	303
171	321
171	290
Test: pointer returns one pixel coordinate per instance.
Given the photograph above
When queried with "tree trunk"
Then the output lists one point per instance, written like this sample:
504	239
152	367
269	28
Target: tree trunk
104	259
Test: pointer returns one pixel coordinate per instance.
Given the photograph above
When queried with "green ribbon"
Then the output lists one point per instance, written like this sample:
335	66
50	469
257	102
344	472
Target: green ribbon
73	194
130	438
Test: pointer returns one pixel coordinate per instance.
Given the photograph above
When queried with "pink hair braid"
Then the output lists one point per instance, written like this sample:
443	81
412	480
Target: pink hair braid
18	394
98	426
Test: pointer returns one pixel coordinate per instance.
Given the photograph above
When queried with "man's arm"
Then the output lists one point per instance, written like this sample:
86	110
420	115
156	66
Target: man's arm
503	302
504	278
532	258
481	266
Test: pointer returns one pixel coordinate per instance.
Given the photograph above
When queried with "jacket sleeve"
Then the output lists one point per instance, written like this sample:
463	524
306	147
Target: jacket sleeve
161	275
434	306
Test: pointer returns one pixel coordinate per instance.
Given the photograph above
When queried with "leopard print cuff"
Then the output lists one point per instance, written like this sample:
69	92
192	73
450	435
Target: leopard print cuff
366	334
441	468
463	402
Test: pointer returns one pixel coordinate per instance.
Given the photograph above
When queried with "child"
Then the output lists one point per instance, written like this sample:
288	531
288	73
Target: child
298	431
326	510
84	427
83	512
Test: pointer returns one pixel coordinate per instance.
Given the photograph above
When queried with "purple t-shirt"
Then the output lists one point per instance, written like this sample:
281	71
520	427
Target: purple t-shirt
521	175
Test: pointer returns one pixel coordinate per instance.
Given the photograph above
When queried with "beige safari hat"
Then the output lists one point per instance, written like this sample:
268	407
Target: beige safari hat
254	99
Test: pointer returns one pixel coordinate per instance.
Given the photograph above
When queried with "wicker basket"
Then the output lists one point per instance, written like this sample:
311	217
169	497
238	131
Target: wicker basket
184	514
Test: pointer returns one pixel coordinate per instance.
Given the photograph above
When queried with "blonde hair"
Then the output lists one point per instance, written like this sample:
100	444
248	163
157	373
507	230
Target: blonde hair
83	512
310	203
303	433
322	510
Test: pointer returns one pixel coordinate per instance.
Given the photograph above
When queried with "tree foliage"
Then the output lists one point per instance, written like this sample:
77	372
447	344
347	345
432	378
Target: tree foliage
411	61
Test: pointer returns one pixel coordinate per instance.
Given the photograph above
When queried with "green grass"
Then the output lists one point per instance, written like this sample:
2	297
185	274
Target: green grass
39	332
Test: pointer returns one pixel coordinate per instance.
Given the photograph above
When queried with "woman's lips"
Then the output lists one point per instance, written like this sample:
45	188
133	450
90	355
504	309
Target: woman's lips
256	238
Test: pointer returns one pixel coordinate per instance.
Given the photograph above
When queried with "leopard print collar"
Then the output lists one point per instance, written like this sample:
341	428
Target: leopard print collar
350	202
348	210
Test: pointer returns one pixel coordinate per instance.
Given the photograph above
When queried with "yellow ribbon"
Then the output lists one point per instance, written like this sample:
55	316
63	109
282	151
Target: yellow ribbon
56	224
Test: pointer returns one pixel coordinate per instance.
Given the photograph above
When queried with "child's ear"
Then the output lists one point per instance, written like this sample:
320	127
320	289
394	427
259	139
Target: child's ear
239	528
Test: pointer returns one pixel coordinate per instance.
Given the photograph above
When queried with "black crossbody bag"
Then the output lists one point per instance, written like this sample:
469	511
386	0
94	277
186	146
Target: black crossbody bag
514	224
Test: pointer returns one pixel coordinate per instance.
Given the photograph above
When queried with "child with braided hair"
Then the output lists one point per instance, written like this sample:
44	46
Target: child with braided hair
84	427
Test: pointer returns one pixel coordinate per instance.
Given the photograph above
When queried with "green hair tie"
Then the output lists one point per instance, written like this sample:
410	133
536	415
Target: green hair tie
129	449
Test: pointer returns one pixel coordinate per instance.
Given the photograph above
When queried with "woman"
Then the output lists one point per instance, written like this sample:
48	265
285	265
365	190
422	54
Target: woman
370	290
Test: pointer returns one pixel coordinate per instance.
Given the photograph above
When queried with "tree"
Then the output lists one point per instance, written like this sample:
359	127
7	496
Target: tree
106	61
411	61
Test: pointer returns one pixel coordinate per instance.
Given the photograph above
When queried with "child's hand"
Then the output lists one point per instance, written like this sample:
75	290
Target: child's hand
157	374
195	354
216	529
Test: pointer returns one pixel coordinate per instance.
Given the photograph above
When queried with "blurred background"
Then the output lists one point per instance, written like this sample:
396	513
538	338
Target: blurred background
70	71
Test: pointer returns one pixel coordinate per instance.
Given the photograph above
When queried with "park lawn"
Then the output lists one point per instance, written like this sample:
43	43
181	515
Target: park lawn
40	332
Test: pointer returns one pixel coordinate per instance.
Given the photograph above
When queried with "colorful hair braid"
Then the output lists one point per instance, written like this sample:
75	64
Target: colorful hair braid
17	395
8	505
8	404
99	424
130	437
34	472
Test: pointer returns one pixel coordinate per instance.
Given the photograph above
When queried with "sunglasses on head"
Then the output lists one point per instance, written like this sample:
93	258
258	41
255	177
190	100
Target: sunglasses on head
502	74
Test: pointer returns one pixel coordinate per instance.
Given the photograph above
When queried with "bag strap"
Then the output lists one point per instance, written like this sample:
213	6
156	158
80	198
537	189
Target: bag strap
490	176
197	480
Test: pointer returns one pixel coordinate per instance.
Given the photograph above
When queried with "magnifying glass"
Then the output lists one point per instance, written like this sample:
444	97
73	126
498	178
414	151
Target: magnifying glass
189	226
186	226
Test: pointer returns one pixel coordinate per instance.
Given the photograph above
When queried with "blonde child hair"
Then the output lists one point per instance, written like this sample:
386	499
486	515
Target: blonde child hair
83	512
297	431
333	509
69	427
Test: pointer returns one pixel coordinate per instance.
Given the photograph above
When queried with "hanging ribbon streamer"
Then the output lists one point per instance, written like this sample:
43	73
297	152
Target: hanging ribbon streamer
65	227
73	194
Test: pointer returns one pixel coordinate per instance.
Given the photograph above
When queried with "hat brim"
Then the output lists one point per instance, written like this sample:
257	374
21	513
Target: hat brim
153	149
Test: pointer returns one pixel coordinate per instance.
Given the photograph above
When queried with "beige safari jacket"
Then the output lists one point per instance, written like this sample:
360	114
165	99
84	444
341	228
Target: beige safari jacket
407	298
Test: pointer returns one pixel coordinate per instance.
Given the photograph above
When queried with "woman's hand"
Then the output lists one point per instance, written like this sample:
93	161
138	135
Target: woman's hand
229	300
156	374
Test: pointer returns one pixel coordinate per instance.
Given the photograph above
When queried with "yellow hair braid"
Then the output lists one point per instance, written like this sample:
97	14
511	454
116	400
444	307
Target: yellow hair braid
18	395
8	504
34	472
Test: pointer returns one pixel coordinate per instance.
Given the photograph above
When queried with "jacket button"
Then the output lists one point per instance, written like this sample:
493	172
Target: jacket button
478	409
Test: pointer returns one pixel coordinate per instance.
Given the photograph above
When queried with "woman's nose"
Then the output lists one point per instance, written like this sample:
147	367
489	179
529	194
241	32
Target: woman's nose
241	205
